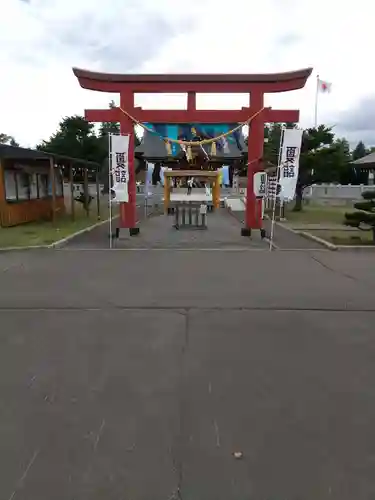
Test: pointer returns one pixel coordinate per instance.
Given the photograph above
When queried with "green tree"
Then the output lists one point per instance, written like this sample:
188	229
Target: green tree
75	138
364	217
359	151
107	128
316	160
272	135
8	139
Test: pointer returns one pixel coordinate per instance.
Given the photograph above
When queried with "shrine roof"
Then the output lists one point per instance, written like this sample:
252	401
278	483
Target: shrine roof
194	78
17	153
367	161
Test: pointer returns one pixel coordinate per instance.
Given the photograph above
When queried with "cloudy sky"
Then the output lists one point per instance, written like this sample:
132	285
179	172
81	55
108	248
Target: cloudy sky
40	41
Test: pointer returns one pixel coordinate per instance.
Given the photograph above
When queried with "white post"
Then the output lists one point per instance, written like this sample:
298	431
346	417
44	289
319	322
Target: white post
275	198
316	101
109	187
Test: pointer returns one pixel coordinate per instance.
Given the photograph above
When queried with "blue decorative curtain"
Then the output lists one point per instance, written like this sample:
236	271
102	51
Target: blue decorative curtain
191	131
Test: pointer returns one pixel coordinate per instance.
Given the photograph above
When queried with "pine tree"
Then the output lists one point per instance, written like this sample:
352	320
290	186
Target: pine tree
364	217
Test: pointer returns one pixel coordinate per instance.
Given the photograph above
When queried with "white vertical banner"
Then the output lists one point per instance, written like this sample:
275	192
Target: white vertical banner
120	167
289	162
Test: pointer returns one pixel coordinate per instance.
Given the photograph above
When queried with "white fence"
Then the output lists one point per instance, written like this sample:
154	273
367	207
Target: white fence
336	191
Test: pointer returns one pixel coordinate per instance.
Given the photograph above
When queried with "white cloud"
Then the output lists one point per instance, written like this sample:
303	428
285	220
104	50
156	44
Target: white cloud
41	40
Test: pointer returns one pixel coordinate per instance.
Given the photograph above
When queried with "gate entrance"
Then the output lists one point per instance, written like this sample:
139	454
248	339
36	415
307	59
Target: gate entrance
255	115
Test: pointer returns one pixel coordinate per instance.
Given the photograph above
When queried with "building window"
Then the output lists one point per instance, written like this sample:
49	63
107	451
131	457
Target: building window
58	182
43	185
34	187
23	186
10	185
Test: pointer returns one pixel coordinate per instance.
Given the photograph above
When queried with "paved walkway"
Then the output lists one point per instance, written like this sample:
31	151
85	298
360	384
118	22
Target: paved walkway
139	374
224	231
283	238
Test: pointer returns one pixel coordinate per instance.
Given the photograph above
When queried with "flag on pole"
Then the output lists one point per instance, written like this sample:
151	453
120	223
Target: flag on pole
324	87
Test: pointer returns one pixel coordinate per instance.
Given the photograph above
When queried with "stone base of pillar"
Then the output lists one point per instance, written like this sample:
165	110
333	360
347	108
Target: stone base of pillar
246	231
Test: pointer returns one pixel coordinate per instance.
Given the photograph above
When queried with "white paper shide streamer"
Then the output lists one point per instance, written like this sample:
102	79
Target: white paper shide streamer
120	167
289	163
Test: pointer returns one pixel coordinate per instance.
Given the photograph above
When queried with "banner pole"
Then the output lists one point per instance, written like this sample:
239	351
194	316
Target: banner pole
275	197
109	189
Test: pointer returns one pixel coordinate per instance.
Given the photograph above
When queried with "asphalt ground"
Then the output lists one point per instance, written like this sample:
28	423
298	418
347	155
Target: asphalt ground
143	373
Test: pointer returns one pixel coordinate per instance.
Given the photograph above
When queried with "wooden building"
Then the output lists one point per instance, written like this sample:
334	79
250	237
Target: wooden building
31	184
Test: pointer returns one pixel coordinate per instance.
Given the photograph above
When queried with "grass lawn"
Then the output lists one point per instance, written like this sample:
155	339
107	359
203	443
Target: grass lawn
316	214
346	237
45	232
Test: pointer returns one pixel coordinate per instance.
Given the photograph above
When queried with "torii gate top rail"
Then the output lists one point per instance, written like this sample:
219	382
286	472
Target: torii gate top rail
205	83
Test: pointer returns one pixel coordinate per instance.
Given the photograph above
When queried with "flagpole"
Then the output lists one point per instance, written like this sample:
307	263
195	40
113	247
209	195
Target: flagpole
316	101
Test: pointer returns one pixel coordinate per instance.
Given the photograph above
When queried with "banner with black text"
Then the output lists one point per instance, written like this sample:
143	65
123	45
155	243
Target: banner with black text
289	163
120	167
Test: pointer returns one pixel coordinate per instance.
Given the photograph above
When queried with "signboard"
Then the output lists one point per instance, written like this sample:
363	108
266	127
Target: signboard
289	163
120	167
260	183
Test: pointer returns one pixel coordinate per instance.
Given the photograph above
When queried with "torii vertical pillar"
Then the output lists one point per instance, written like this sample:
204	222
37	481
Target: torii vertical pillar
255	85
128	211
253	215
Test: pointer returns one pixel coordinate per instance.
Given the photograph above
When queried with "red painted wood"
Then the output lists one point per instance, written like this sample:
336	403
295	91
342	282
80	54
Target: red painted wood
191	101
191	116
201	87
255	153
211	78
128	210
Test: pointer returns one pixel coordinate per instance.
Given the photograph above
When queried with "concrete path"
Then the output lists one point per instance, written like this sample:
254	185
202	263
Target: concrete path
138	374
283	237
158	232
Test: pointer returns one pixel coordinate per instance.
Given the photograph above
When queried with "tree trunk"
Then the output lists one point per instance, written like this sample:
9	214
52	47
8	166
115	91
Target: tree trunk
299	198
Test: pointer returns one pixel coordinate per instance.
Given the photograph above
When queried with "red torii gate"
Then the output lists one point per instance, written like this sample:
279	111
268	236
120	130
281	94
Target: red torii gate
255	84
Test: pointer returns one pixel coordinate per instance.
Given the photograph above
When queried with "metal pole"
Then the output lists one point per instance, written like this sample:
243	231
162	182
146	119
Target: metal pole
53	187
109	188
97	193
316	101
71	180
86	189
275	197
